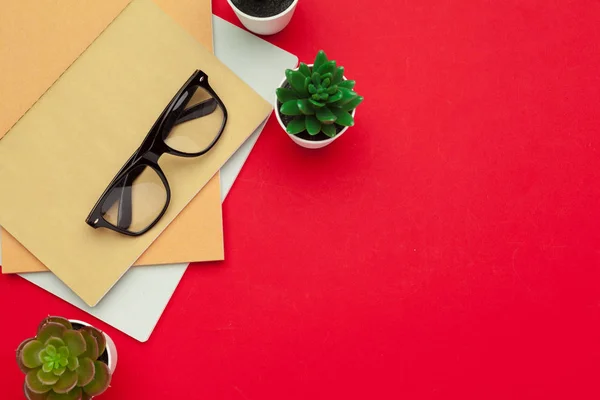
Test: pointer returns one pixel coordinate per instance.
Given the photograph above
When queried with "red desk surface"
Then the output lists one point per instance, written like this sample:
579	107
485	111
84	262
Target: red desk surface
447	247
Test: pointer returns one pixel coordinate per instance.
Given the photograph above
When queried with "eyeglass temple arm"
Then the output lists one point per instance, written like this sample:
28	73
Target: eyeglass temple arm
197	111
124	217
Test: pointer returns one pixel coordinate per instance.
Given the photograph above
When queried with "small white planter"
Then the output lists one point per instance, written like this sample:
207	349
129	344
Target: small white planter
111	348
265	25
309	144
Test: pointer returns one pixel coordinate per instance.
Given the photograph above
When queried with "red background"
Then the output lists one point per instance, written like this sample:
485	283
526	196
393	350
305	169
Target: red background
446	247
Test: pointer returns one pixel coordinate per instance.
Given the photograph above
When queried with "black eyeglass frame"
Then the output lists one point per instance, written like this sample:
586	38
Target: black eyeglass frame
154	146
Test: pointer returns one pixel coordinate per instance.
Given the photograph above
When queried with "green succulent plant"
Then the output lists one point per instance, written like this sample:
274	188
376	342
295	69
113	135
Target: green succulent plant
318	98
61	363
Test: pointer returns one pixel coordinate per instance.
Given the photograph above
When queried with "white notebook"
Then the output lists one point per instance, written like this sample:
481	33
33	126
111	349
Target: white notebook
135	304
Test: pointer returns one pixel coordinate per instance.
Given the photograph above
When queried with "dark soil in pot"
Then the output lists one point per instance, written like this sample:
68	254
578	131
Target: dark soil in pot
304	134
104	356
262	8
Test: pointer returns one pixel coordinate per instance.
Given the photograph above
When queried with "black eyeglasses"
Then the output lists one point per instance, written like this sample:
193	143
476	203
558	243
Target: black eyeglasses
139	195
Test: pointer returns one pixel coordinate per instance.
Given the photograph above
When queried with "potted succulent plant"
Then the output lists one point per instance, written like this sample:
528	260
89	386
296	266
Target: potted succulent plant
315	103
66	360
264	17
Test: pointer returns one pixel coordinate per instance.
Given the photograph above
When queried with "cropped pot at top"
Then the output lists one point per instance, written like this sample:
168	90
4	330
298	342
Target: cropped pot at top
139	194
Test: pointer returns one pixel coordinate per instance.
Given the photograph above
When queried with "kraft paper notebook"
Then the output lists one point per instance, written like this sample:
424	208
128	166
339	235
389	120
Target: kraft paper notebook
197	232
123	80
134	305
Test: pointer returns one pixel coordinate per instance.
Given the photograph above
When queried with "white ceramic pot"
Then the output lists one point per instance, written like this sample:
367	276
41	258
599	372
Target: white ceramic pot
309	144
111	348
265	25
